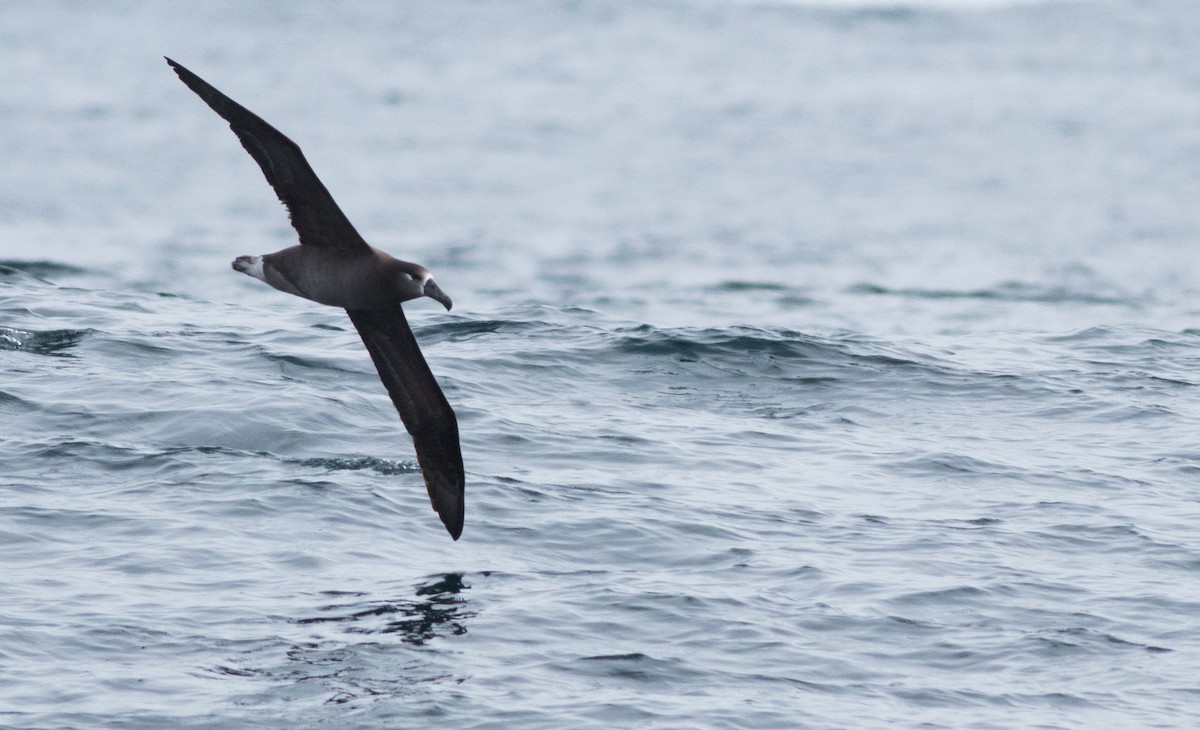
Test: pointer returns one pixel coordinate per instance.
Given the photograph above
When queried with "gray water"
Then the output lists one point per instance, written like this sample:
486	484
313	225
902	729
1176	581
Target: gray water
818	365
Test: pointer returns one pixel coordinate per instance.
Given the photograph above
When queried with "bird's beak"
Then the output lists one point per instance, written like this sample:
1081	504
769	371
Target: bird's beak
434	292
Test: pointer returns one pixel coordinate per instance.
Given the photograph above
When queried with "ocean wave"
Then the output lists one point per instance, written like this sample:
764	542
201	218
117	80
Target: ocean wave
40	270
1009	291
54	343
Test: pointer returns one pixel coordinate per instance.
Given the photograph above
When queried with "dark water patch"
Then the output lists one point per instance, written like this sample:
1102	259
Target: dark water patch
385	467
858	18
810	361
884	14
953	598
1087	334
947	465
8	399
983	522
1133	412
743	358
743	286
794	301
114	457
440	611
1170	382
1186	463
636	667
1125	342
54	343
816	414
1098	539
146	348
635	657
111	455
348	677
462	330
56	524
43	270
697	344
1011	291
1086	640
305	363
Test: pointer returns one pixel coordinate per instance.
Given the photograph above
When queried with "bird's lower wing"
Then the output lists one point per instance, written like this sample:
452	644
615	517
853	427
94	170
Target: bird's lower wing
422	406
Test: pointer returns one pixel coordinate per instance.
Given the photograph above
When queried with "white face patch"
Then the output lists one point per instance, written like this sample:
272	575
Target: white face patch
251	265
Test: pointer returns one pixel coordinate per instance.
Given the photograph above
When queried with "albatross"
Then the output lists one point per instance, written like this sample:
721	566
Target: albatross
333	265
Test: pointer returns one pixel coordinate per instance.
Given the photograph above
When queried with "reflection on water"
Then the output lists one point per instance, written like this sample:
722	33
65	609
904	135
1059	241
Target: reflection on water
440	611
354	671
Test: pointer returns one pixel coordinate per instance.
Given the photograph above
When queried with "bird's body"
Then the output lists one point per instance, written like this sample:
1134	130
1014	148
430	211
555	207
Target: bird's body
333	265
358	279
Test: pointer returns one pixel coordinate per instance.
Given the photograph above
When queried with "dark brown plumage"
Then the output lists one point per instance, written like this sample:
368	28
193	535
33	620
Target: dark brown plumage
334	265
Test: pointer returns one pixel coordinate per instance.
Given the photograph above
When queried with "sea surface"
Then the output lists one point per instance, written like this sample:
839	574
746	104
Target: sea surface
818	365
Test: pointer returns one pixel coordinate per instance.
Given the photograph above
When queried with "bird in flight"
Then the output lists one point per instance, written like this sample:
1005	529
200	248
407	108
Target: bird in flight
333	265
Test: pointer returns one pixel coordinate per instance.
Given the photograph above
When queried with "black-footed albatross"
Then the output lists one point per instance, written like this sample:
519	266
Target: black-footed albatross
333	265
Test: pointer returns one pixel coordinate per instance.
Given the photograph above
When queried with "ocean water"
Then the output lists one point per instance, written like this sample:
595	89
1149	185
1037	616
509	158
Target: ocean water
818	364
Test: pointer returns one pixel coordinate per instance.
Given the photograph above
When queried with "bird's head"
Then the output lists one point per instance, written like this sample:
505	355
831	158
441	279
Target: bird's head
414	281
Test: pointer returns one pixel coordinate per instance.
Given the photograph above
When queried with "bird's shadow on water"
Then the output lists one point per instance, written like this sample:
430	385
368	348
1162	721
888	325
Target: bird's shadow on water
440	610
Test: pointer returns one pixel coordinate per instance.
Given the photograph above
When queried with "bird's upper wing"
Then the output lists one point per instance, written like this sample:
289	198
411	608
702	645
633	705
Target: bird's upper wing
315	215
422	406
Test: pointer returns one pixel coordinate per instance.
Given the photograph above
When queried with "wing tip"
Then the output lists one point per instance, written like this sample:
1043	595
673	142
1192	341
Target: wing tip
446	497
452	517
191	80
